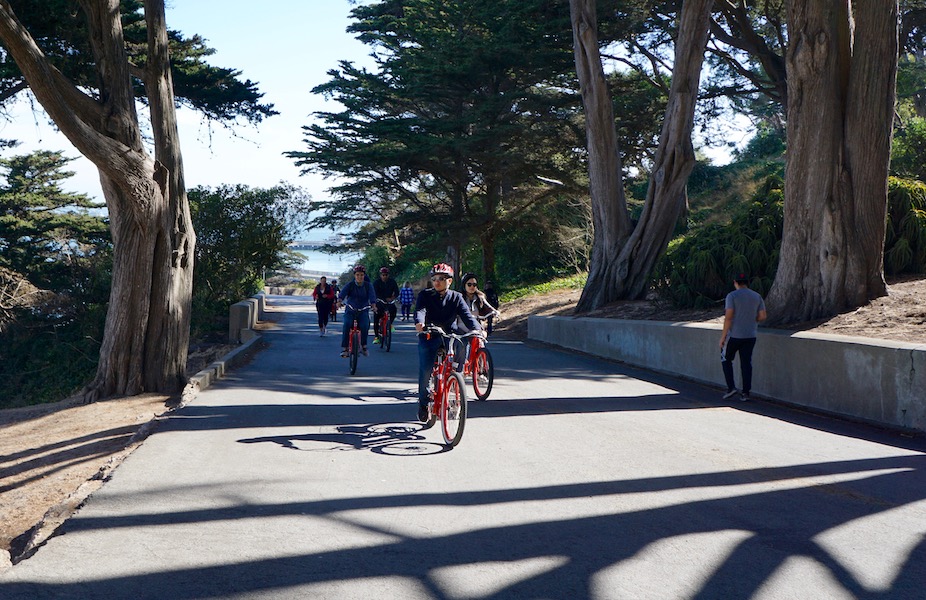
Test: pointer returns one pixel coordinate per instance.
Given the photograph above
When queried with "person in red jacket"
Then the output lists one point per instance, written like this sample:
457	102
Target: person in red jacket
324	300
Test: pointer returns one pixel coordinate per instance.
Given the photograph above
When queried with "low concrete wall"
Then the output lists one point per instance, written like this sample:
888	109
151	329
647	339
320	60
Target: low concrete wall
878	381
288	291
242	317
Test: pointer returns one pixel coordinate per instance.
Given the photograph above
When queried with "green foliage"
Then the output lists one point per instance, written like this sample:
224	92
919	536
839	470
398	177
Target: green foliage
573	282
905	240
45	360
59	27
697	269
49	342
51	236
442	143
908	150
241	232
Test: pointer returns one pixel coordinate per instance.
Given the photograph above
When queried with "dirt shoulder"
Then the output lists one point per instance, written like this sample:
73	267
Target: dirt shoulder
52	456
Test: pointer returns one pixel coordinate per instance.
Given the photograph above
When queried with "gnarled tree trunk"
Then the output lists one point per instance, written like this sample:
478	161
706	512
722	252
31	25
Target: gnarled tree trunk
623	256
171	294
842	64
147	325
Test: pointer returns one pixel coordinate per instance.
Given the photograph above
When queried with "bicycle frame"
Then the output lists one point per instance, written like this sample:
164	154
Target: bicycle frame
382	326
449	395
353	340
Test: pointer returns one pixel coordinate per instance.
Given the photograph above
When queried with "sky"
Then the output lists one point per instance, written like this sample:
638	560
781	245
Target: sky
287	49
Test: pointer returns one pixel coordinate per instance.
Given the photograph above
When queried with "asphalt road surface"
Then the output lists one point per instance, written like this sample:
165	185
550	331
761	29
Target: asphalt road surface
579	478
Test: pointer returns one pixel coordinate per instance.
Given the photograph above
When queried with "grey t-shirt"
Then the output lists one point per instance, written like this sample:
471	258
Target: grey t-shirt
746	305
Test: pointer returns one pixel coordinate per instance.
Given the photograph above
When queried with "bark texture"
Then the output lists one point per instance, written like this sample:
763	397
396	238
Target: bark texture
623	255
147	323
606	186
842	65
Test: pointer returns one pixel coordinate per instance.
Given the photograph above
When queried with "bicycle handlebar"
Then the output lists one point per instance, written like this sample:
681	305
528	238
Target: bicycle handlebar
457	336
367	307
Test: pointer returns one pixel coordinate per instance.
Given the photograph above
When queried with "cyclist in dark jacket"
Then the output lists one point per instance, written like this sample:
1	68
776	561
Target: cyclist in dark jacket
386	290
438	306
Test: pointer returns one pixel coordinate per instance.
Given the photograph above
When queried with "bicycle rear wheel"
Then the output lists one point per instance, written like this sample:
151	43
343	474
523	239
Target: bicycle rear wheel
483	374
354	352
453	409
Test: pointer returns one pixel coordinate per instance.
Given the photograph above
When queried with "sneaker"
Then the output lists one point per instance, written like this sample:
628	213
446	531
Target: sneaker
730	394
376	340
365	352
343	353
483	378
744	396
423	412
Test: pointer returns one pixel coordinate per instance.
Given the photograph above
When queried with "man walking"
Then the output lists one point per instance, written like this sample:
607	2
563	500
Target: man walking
744	309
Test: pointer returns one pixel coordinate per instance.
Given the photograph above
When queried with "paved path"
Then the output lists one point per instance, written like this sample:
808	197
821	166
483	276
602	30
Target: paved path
578	479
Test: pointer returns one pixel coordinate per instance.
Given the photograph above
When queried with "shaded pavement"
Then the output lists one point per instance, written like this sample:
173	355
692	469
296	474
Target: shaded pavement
579	478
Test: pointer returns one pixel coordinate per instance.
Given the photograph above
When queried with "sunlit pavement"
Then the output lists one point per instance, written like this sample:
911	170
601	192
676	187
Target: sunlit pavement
579	478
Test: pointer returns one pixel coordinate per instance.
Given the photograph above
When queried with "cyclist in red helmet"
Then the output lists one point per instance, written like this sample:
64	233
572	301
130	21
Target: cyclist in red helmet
439	306
354	296
386	290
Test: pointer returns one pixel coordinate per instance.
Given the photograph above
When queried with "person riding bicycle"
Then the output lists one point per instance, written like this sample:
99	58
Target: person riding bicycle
355	295
476	300
387	290
438	306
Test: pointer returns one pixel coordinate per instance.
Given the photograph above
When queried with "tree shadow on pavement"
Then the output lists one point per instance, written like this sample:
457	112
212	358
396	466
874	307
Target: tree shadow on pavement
773	525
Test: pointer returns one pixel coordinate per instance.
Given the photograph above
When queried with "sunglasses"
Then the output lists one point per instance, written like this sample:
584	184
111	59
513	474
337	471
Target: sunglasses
439	278
471	284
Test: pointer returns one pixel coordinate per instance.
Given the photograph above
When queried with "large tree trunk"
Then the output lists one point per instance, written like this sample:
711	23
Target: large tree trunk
171	293
136	189
623	259
842	66
606	186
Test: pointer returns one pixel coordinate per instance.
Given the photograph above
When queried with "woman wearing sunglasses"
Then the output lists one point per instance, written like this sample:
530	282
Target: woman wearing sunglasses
475	299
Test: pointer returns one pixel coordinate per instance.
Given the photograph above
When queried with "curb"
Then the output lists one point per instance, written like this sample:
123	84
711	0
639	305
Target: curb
215	371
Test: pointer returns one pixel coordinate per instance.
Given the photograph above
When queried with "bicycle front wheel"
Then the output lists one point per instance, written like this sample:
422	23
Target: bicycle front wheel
483	374
453	409
387	336
354	352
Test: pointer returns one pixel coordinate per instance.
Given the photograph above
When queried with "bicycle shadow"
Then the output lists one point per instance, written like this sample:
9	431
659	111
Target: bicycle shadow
391	439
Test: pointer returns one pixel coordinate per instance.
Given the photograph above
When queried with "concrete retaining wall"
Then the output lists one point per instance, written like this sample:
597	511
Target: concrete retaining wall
878	381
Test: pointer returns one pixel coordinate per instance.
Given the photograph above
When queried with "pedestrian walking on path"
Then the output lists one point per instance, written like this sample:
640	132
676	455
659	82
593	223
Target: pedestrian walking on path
324	301
744	309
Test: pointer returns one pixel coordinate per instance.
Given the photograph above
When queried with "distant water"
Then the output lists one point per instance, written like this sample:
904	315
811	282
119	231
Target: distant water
327	263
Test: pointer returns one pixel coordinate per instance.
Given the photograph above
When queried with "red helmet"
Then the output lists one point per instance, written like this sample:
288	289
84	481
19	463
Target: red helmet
384	271
360	269
442	269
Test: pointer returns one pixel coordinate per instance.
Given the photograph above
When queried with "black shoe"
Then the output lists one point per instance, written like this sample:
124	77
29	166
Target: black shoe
744	396
423	413
730	394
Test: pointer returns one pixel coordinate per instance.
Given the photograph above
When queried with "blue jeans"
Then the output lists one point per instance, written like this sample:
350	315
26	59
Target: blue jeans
363	321
427	351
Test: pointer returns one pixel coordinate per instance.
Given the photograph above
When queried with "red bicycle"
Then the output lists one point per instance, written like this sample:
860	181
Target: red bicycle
353	340
384	327
479	366
448	394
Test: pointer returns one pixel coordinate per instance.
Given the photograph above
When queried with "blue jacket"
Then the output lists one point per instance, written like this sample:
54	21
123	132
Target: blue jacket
357	296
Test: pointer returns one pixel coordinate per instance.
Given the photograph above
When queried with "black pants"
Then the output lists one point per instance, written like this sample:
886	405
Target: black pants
324	311
384	306
744	346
